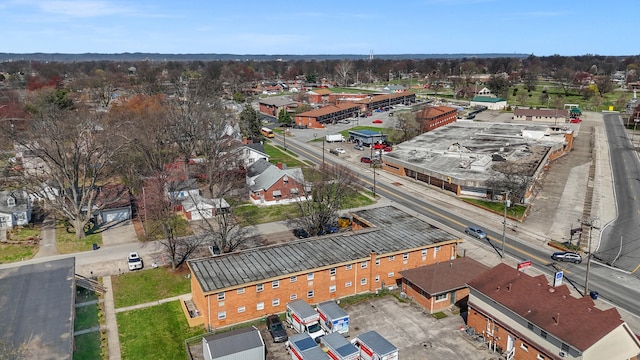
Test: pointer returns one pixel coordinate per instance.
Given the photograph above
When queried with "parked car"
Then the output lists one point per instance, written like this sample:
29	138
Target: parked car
358	147
476	232
341	151
365	159
334	152
377	121
567	256
301	233
387	149
575	121
379	146
276	329
135	261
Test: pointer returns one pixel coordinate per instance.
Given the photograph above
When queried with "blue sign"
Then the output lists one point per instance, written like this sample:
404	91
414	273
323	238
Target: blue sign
557	281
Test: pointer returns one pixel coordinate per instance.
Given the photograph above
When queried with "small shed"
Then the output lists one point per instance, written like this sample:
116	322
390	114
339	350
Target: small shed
367	137
240	344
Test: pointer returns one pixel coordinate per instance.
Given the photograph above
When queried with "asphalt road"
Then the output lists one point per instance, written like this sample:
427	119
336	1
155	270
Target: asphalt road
616	287
620	241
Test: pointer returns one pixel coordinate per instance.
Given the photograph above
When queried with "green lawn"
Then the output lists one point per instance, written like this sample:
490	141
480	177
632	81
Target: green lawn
16	252
26	232
87	346
67	243
148	285
156	332
514	212
155	231
277	155
86	317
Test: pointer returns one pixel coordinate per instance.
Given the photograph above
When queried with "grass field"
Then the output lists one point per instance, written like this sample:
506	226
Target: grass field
156	332
144	286
15	252
86	317
24	232
87	346
514	212
67	243
154	229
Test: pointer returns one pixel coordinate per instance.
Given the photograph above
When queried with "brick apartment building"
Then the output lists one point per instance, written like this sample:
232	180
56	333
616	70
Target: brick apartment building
528	319
433	117
251	284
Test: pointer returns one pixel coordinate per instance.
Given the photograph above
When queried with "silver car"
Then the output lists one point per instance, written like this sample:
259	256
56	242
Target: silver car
476	232
567	256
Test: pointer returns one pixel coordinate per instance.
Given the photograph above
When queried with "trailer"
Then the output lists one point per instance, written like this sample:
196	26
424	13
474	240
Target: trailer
303	347
334	138
338	348
304	319
333	318
373	346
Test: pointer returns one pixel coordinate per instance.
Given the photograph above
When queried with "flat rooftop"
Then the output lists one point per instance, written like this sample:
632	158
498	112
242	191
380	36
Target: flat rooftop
395	231
466	150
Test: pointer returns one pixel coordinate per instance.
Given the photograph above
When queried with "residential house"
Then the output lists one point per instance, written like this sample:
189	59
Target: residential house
441	285
15	209
543	115
433	117
179	190
198	208
249	153
244	343
492	103
390	89
264	279
113	203
526	318
270	184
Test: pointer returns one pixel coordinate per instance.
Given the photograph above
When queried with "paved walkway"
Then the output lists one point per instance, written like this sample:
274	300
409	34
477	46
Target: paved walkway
149	304
113	338
48	238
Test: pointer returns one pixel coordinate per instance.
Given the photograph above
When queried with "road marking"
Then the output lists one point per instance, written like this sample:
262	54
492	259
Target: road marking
636	269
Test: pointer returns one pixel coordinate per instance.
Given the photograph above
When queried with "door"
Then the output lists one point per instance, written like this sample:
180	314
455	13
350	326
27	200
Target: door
453	298
510	347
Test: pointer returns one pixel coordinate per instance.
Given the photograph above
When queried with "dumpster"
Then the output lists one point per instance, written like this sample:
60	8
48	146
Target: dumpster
95	246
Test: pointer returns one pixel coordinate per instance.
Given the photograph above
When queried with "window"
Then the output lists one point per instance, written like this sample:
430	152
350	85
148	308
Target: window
294	191
221	296
277	194
405	256
260	306
11	201
347	284
392	257
391	274
378	261
540	357
363	281
310	276
348	267
441	297
293	297
275	284
222	315
332	288
543	334
275	302
438	248
241	309
293	279
363	264
332	271
240	291
259	287
310	293
377	278
524	347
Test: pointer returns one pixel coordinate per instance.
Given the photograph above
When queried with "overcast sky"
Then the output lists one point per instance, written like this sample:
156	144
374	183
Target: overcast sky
540	27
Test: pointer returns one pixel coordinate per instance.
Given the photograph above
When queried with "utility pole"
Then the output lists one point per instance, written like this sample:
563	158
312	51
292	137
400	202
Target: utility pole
504	223
284	135
591	224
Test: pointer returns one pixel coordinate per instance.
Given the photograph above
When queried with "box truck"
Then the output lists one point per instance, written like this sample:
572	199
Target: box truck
304	319
334	138
373	346
333	318
303	347
338	348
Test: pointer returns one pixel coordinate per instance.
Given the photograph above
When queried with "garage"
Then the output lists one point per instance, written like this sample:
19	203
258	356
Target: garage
119	214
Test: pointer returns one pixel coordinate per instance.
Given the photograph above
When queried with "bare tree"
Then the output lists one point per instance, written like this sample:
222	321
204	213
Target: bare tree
324	194
343	71
72	152
512	177
407	127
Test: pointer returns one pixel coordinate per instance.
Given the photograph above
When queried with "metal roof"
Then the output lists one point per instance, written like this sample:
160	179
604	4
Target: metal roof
331	309
395	231
341	345
377	343
233	342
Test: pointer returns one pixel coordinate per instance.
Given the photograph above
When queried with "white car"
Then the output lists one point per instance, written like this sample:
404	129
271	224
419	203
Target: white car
341	151
135	261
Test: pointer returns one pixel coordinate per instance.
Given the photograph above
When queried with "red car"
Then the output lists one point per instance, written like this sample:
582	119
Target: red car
365	159
576	121
377	121
387	149
378	146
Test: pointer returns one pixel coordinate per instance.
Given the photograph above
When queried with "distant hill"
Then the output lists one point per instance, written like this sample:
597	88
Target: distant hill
53	57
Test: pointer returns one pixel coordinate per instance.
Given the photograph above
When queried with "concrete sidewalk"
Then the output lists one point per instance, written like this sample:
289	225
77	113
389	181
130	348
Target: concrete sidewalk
113	338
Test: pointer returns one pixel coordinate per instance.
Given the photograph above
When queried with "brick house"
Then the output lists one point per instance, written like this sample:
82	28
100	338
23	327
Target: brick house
272	106
433	117
250	284
438	286
318	96
529	319
274	184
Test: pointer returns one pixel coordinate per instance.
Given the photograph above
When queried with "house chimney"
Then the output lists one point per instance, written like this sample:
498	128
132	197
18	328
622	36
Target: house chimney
509	287
498	288
279	165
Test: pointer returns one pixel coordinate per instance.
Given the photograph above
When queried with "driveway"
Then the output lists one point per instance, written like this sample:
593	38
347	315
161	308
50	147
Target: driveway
118	233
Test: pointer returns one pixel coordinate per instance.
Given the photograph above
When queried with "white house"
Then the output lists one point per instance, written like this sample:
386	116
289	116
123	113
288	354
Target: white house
182	189
15	209
199	208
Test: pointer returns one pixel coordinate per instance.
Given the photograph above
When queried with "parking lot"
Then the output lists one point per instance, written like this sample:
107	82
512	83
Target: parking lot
417	334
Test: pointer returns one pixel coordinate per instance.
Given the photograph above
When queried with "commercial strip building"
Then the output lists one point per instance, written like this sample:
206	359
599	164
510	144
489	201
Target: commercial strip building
459	157
526	319
247	285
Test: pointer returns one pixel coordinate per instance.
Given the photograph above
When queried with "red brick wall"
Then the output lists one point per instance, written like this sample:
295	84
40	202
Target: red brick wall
285	190
430	303
387	272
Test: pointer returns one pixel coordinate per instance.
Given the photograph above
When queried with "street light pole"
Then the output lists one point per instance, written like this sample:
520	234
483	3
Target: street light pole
591	226
504	223
284	135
